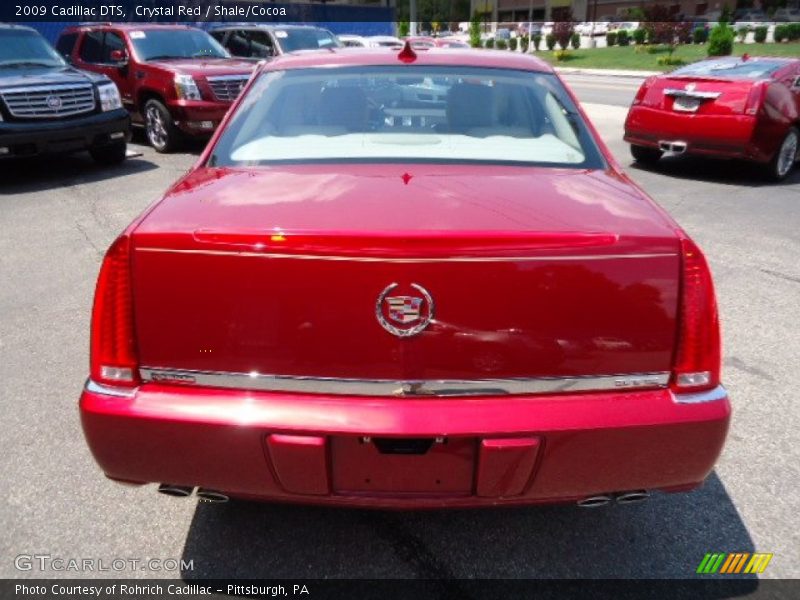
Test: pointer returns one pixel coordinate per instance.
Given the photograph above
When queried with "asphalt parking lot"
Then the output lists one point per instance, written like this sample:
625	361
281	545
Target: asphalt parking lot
57	217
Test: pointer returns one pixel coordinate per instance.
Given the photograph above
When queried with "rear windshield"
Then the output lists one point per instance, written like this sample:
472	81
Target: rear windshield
407	113
23	48
156	44
734	69
305	39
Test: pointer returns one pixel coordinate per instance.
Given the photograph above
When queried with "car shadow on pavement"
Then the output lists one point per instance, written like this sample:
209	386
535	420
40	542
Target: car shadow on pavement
665	537
711	170
22	176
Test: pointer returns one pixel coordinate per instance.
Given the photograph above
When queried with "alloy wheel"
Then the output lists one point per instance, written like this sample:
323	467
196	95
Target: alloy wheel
156	128
787	155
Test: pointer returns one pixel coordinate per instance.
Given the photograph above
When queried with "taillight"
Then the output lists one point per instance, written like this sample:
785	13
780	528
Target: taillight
697	362
640	94
113	347
755	98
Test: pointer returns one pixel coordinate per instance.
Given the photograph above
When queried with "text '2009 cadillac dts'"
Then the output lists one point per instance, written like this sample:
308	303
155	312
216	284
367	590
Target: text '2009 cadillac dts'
406	280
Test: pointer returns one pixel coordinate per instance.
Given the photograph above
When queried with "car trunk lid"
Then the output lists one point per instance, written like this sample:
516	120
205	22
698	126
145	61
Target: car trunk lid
513	273
699	95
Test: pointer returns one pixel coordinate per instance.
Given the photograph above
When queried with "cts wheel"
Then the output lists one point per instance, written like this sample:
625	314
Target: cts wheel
110	155
161	132
645	155
781	165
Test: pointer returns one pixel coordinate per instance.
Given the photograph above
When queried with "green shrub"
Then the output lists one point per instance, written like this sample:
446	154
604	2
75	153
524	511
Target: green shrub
524	43
781	33
550	40
700	35
512	44
761	34
672	61
403	27
537	41
490	43
741	33
720	41
563	54
639	36
501	44
575	40
611	38
793	30
475	30
623	37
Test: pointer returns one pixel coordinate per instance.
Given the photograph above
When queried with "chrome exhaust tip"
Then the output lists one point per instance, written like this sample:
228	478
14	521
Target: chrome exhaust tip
211	496
594	501
673	147
179	491
633	497
678	147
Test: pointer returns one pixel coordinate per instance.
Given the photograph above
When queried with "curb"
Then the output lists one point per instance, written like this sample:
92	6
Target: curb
606	72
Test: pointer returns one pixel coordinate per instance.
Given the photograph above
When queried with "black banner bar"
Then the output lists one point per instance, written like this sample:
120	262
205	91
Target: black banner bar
748	587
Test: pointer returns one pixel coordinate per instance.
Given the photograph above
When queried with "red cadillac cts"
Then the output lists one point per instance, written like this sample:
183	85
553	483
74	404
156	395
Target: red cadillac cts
746	108
406	280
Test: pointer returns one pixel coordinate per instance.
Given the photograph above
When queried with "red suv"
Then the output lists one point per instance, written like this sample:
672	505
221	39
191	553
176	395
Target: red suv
175	80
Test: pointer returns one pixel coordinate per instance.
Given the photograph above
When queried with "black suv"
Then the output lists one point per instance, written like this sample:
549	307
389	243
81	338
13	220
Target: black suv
48	107
266	41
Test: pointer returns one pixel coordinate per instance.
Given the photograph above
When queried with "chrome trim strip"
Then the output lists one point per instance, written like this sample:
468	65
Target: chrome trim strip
718	393
107	390
692	94
409	260
388	387
57	87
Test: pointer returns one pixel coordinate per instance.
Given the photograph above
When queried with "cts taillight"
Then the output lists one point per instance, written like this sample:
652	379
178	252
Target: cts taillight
755	98
697	361
114	359
640	94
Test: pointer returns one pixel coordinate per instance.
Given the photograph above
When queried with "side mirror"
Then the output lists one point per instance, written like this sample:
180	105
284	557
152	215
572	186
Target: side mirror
120	57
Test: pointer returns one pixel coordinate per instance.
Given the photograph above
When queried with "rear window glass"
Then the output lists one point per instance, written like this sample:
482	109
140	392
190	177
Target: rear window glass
751	69
407	113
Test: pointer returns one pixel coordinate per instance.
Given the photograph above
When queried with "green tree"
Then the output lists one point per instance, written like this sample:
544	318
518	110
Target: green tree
720	41
403	27
475	30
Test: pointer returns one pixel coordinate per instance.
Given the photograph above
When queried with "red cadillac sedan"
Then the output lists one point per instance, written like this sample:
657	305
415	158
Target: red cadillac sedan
746	108
366	295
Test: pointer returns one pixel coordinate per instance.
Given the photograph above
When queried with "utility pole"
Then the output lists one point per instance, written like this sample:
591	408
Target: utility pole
412	17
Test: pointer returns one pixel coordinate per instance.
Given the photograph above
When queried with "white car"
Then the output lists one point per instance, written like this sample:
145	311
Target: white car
353	41
628	25
385	41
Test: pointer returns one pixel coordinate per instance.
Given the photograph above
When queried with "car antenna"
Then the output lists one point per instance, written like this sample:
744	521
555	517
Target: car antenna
407	54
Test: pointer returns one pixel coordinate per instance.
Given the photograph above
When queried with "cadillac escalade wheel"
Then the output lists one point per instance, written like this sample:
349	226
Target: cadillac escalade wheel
781	164
161	131
645	155
112	154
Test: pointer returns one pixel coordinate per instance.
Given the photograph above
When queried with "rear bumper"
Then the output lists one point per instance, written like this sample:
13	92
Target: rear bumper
198	118
725	136
491	451
63	136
